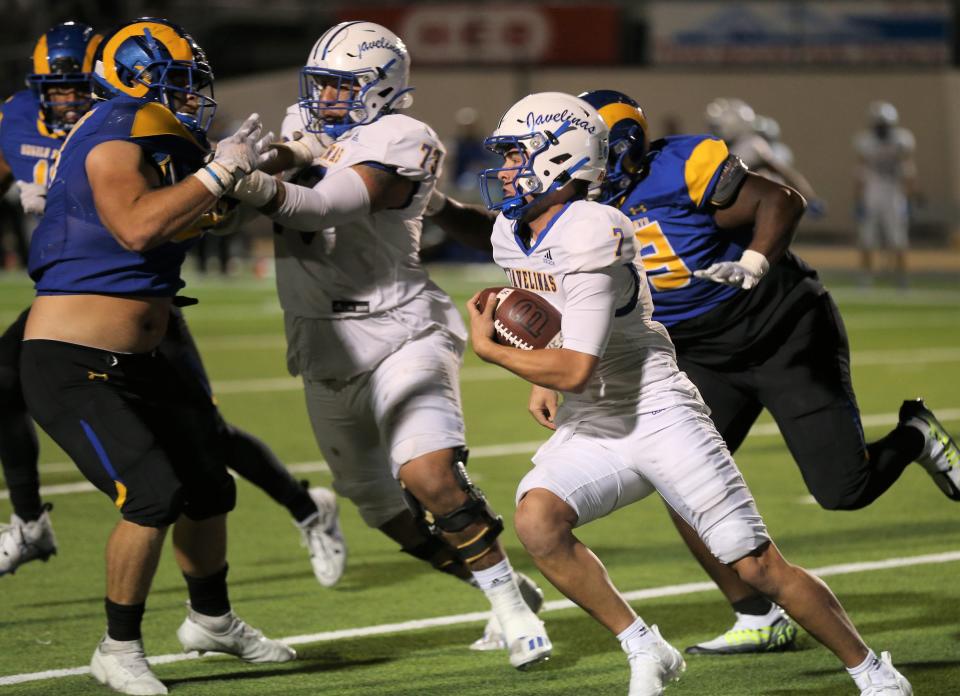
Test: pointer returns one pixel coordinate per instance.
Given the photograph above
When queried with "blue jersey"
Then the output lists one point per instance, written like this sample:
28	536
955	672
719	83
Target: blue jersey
673	214
28	147
71	251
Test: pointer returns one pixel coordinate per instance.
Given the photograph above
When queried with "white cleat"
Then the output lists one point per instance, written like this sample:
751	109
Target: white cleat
22	542
526	639
652	667
323	538
493	638
231	635
122	665
885	680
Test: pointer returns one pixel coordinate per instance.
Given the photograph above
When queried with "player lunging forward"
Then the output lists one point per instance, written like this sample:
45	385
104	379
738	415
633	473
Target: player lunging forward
377	344
631	423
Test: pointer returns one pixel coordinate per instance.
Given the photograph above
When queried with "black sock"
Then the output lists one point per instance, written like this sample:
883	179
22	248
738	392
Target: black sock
889	456
18	453
208	595
251	458
123	620
758	605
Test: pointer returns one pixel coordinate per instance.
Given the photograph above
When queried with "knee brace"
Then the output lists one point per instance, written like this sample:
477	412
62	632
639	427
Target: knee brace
438	554
475	510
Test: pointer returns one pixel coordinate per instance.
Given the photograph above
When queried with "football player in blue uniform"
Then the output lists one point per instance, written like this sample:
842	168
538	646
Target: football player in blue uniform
754	328
34	124
128	189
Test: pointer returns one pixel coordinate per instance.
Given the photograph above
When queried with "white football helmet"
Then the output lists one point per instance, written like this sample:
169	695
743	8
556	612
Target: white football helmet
882	113
730	118
559	137
365	59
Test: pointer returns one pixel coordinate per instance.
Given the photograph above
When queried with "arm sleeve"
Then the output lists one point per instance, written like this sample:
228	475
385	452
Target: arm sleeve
335	200
588	311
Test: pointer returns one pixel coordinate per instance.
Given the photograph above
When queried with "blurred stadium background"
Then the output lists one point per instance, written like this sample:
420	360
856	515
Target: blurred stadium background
813	65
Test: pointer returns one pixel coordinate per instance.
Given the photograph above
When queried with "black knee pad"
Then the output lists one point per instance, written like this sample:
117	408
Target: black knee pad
475	510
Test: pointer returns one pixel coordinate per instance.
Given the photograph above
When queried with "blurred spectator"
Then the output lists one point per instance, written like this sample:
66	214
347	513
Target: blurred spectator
886	181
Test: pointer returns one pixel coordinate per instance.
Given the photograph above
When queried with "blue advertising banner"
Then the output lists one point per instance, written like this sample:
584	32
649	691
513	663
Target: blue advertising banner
814	32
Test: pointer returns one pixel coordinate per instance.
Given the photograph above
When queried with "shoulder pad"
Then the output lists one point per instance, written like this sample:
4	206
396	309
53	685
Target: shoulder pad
732	175
700	169
595	237
154	120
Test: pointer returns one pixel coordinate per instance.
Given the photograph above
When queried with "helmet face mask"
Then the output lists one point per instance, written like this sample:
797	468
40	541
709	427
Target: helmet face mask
367	67
547	140
62	78
155	59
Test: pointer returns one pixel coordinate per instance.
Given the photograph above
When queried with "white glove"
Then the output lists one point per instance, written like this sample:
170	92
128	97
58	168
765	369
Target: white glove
745	273
256	189
236	156
305	148
33	197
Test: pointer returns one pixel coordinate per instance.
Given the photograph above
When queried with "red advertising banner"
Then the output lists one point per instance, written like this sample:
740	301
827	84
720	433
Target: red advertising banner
499	33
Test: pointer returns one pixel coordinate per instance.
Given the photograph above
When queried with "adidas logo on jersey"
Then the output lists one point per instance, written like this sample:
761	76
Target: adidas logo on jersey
548	258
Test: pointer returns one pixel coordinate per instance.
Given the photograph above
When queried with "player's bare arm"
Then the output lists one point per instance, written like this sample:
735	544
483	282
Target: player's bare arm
773	210
558	369
543	406
130	202
470	224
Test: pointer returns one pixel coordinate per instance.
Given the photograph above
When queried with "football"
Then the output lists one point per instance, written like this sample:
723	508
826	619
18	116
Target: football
523	319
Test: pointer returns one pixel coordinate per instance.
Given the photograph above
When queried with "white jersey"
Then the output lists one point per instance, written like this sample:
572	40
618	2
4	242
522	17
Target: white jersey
885	162
588	246
353	294
371	264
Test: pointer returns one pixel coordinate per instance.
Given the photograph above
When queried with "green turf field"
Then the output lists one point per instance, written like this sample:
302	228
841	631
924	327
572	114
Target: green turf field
904	345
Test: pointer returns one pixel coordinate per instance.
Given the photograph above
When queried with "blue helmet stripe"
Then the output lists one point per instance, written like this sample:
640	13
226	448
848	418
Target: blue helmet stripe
327	46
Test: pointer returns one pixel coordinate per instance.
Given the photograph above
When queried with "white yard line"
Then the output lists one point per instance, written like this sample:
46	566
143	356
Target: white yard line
555	605
948	415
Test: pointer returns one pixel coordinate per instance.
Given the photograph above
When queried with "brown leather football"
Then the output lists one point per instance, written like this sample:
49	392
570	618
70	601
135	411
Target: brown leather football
523	319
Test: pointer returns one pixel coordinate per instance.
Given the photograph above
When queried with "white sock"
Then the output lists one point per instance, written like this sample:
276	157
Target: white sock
861	673
494	575
636	636
499	584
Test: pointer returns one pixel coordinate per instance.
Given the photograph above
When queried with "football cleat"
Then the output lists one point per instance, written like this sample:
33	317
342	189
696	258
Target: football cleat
22	542
530	648
885	680
323	538
236	637
493	638
773	632
122	665
940	455
652	667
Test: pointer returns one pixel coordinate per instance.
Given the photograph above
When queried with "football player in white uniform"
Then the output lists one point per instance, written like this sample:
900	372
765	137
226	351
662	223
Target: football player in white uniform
377	344
735	122
631	423
886	179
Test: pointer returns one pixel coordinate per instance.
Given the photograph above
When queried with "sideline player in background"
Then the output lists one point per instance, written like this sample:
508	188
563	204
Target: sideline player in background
127	191
886	182
377	344
754	328
33	124
631	423
31	133
735	122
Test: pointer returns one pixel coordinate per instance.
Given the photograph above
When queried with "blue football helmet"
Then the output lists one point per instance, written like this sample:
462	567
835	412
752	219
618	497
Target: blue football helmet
628	137
369	68
63	57
155	59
